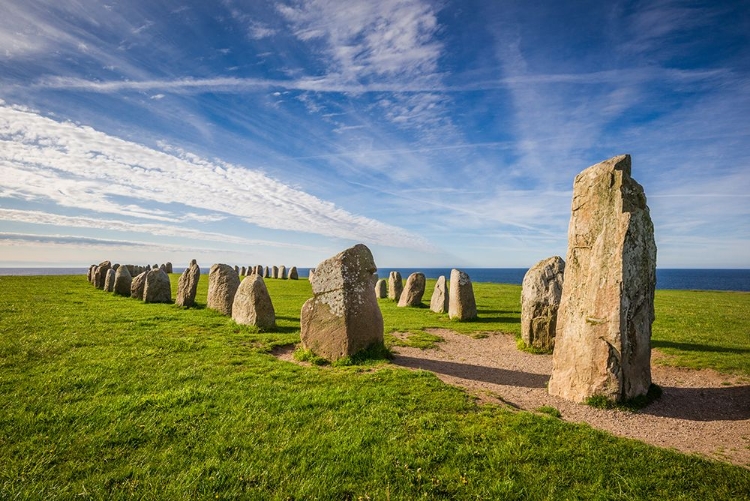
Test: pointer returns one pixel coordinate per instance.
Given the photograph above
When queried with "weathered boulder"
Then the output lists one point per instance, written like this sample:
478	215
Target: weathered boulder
603	342
168	266
461	303
252	304
343	316
266	272
381	289
223	282
115	266
395	285
282	272
293	275
90	272
137	285
109	280
413	291
187	285
439	299
131	270
540	299
275	272
100	275
157	288
123	279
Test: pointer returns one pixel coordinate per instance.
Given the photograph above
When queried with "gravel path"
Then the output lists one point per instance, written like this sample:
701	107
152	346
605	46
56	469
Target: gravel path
700	411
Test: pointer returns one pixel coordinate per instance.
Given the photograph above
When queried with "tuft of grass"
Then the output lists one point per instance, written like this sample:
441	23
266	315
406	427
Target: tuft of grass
376	353
530	349
305	355
633	405
550	411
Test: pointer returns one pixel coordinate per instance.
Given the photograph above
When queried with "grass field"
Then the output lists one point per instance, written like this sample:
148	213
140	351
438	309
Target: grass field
105	397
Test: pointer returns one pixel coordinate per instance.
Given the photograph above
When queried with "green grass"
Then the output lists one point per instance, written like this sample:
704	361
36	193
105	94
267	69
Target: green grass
103	397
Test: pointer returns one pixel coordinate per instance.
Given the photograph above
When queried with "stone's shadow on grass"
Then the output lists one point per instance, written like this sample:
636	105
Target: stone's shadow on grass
474	372
697	347
731	403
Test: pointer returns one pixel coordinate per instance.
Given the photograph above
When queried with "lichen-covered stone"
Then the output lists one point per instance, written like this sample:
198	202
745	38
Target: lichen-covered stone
603	342
540	299
100	274
137	285
395	285
439	301
343	316
461	305
109	280
123	279
157	288
282	272
223	282
413	291
187	285
252	304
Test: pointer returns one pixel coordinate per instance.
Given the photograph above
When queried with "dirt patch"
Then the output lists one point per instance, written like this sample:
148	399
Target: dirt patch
700	411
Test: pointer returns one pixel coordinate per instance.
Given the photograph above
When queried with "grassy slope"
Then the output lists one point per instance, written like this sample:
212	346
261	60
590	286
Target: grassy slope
107	397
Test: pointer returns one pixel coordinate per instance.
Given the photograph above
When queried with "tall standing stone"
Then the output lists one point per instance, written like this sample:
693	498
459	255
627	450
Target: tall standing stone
275	272
540	299
381	289
343	316
252	304
123	279
603	343
293	275
395	285
169	267
109	280
282	272
138	284
223	282
461	305
90	272
187	285
243	272
266	272
439	300
157	288
413	291
100	274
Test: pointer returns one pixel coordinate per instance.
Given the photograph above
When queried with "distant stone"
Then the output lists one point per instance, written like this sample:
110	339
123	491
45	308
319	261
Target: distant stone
109	280
603	342
138	284
252	304
266	272
439	301
395	285
155	266
187	285
157	288
310	274
381	289
123	280
243	272
540	299
100	275
293	275
461	302
90	273
115	266
275	272
282	272
343	316
131	271
223	282
169	267
413	291
237	269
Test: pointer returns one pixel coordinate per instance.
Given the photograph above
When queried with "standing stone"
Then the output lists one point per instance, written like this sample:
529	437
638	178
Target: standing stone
252	304
169	267
155	266
293	275
243	272
603	343
266	272
282	272
100	275
109	281
187	285
157	289
115	266
381	289
439	301
414	290
275	272
461	303
237	269
90	273
131	270
540	300
311	274
123	279
137	285
395	286
223	282
343	317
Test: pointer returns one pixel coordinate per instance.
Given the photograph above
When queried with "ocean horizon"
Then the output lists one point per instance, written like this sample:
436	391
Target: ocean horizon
721	279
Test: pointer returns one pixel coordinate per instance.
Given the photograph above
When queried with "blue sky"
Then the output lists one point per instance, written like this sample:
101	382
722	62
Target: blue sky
437	133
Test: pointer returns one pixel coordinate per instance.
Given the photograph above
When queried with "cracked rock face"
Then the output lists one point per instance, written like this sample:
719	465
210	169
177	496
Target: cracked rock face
343	316
603	342
540	299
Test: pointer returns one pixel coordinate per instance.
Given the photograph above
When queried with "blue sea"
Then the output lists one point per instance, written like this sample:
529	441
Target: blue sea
666	278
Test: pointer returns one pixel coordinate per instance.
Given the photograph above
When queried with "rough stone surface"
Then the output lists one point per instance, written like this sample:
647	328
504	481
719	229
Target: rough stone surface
90	272
223	282
157	288
461	303
187	285
311	274
439	299
413	291
137	285
275	272
100	275
252	304
109	280
293	275
395	285
381	289
343	316
603	342
540	299
266	272
243	272
169	267
282	272
123	279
